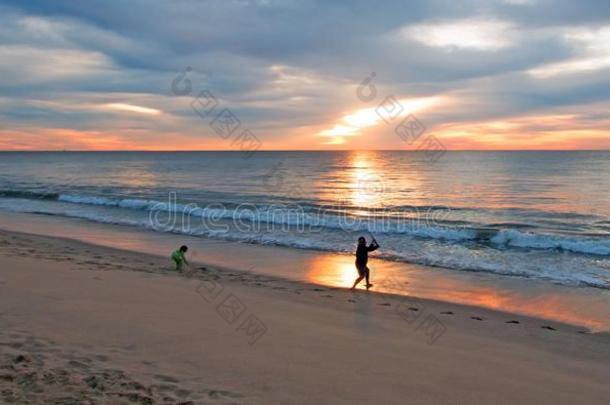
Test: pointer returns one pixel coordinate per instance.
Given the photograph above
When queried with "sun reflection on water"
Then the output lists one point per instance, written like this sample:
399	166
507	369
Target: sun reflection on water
331	269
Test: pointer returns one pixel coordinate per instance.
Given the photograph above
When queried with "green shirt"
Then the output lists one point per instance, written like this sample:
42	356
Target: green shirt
178	256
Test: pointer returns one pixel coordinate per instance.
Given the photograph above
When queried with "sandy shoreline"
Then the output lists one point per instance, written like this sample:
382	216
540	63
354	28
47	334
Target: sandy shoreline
87	318
583	306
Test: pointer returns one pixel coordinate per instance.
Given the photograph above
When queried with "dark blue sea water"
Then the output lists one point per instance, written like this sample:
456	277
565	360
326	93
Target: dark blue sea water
540	215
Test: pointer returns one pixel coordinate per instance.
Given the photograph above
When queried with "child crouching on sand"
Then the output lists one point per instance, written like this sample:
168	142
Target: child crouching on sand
179	258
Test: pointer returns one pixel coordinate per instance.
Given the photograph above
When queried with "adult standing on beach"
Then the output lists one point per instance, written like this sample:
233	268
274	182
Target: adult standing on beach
362	258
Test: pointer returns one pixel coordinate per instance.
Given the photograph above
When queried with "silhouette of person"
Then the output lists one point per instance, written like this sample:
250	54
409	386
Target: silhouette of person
179	258
362	257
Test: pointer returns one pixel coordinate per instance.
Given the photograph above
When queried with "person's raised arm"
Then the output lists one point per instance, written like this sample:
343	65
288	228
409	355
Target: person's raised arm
373	246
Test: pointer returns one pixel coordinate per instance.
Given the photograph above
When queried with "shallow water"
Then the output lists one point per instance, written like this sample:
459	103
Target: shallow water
539	215
584	306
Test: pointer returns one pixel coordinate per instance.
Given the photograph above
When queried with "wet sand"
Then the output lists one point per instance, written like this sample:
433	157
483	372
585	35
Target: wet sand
584	306
80	322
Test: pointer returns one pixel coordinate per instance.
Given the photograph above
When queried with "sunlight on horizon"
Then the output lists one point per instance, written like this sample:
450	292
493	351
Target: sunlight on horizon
353	123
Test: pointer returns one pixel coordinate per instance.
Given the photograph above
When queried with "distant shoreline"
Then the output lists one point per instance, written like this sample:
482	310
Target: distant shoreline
302	150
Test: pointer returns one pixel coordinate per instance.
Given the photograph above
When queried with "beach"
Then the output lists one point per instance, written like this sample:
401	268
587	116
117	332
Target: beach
280	202
93	324
481	293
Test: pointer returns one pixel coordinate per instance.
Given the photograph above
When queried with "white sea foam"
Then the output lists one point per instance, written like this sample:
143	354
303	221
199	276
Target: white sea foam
514	238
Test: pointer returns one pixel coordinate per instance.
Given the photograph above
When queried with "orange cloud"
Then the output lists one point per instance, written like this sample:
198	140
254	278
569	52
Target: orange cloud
70	139
549	132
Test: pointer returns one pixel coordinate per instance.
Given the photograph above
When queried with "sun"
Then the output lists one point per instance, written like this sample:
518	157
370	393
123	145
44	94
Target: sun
353	123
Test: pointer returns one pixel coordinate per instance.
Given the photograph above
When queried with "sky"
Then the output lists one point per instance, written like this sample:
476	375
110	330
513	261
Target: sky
298	74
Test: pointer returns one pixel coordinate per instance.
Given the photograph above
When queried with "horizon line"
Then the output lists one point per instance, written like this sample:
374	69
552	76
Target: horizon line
286	150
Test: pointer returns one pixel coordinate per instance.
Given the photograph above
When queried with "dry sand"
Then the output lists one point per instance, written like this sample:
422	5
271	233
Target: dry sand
86	324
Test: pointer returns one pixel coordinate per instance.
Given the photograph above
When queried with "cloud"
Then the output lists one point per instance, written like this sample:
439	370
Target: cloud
390	110
132	108
520	2
592	46
478	34
36	65
289	69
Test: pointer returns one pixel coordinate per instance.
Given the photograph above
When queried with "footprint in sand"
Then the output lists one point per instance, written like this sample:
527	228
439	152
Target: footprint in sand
476	318
584	332
548	327
218	394
166	378
413	309
512	321
350	300
78	364
21	358
134	397
447	313
385	304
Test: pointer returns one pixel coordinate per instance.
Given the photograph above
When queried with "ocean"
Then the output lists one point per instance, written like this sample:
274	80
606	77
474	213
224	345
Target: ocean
538	215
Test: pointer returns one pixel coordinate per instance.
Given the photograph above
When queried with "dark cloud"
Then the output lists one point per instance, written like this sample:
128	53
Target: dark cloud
286	63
